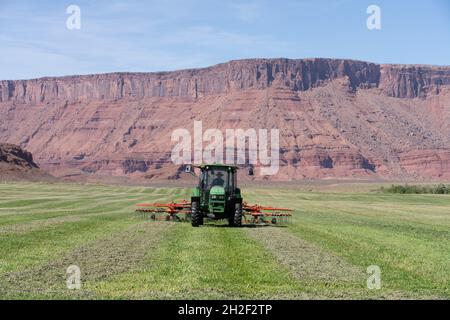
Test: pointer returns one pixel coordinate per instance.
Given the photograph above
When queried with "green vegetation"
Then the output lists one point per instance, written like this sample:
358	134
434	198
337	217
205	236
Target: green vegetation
334	237
413	189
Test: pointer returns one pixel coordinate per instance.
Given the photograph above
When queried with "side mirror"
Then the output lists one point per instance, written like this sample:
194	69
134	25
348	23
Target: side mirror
189	169
250	171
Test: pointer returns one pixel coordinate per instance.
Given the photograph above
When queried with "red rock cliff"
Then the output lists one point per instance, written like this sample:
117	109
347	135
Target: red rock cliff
337	118
234	75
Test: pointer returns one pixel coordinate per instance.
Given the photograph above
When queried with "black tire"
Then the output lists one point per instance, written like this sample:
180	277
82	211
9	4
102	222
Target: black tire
236	219
196	215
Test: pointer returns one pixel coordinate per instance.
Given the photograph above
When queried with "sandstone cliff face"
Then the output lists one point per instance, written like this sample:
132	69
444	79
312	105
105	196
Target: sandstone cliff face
395	80
413	81
13	155
235	75
337	118
18	164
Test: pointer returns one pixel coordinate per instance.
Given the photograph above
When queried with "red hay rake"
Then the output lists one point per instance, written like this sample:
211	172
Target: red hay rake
180	211
173	211
255	214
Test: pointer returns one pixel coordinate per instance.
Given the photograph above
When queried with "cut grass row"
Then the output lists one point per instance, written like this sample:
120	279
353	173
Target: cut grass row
334	237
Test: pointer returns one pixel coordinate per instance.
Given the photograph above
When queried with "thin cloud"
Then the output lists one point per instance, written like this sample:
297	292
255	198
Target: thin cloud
247	12
156	35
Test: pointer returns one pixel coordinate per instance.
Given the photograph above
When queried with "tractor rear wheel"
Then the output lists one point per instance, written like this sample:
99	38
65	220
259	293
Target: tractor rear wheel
236	219
196	215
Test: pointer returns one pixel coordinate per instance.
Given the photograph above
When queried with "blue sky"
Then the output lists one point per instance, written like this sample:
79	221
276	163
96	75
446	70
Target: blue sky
134	35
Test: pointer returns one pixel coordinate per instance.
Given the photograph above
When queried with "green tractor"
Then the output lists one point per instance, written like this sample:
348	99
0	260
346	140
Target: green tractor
217	195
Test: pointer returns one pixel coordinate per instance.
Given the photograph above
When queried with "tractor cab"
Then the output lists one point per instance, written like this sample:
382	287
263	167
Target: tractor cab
217	193
220	176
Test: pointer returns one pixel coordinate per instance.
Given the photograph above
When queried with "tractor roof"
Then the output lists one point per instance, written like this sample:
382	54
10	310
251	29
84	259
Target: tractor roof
217	165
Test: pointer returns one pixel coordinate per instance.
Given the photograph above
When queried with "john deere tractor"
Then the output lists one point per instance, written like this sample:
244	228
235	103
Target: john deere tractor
217	195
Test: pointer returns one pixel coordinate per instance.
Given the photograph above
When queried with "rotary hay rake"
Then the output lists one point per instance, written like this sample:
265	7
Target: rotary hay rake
180	211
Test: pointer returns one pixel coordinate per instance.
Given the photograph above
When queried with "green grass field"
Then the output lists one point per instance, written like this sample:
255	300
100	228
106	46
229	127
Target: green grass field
334	237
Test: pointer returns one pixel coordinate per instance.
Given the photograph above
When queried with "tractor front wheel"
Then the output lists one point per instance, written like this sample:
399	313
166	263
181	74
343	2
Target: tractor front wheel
196	215
236	219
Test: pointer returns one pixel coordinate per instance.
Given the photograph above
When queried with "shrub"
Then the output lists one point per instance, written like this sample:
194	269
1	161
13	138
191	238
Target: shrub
415	189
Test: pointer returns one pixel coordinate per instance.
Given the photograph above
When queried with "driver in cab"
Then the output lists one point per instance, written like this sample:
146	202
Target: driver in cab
218	181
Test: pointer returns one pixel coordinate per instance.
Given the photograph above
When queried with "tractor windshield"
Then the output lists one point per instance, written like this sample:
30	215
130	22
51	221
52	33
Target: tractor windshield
217	177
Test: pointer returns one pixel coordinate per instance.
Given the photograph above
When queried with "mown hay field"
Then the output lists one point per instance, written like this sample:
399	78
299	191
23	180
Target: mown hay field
324	254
